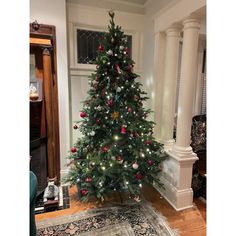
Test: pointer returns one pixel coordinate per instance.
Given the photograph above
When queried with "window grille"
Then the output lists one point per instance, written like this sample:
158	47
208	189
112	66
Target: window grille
87	45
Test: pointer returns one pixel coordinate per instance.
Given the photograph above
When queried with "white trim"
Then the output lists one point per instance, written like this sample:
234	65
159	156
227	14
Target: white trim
127	3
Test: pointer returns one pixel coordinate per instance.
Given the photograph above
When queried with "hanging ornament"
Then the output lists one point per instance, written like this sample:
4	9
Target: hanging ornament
105	149
123	130
97	78
112	40
110	103
118	89
150	162
98	121
113	158
126	50
115	115
136	98
138	176
88	179
99	108
73	149
110	52
118	69
129	109
75	127
97	66
119	159
121	47
148	142
92	133
83	192
83	114
100	48
135	166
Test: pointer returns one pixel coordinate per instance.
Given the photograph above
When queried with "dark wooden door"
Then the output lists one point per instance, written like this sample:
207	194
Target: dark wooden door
44	123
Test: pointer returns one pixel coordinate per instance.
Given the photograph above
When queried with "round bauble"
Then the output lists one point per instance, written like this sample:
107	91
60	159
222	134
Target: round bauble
118	89
75	127
73	149
122	47
92	133
83	192
83	114
138	176
135	166
110	52
150	162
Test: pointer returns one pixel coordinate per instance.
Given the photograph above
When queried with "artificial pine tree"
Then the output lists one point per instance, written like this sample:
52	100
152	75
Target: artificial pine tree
117	150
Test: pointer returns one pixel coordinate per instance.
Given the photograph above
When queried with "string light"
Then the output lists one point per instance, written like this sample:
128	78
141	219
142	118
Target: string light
140	185
103	168
116	137
127	182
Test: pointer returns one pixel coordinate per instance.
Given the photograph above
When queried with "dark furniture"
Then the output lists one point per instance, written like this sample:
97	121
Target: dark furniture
33	194
198	144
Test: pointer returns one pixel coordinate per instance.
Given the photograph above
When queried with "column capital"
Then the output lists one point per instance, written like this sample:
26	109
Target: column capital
191	23
173	31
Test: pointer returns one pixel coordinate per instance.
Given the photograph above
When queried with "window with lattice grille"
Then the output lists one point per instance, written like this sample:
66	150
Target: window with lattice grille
87	44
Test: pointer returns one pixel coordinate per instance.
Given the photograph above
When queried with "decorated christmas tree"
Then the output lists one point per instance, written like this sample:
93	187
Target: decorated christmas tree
117	151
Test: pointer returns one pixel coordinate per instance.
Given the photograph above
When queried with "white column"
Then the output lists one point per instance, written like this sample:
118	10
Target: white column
187	77
170	82
177	169
159	55
199	80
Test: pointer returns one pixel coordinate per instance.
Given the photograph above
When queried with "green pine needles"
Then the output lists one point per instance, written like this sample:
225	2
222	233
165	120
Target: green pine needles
117	151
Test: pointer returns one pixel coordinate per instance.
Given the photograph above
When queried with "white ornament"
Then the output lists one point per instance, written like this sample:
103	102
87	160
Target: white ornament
99	108
92	133
113	158
135	166
110	52
118	89
122	47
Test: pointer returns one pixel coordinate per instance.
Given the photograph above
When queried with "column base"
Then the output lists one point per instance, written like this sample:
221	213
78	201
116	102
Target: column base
177	178
178	199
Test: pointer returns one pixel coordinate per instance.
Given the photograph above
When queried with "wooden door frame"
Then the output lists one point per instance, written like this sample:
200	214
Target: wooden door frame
43	31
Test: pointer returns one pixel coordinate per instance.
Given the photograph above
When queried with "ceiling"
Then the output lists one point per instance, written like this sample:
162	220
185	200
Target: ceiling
140	2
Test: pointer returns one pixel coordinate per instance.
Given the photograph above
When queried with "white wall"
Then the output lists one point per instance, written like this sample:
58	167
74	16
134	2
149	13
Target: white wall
53	12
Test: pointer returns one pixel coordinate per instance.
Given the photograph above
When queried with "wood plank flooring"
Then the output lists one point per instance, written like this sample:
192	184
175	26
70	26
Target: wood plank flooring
189	222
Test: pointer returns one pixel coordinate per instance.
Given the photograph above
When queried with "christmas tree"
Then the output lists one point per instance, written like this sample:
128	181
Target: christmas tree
117	151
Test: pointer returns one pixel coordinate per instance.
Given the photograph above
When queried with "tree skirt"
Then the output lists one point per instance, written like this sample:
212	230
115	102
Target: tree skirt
121	220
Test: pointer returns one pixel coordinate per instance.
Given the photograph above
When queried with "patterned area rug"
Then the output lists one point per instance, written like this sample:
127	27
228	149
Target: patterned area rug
121	220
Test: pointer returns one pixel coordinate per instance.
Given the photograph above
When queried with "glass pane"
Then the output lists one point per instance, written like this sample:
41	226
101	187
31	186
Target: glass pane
87	44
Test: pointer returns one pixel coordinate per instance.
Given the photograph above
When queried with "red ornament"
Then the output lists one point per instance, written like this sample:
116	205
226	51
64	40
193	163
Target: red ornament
88	179
110	103
73	149
138	176
150	162
123	130
75	127
98	121
100	47
83	114
148	142
129	109
105	149
83	192
118	68
97	78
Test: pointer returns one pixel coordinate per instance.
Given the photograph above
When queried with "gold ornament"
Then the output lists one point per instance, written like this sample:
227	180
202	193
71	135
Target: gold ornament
115	115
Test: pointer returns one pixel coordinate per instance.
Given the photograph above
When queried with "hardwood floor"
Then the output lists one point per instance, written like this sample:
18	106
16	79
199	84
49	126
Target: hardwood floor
189	222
